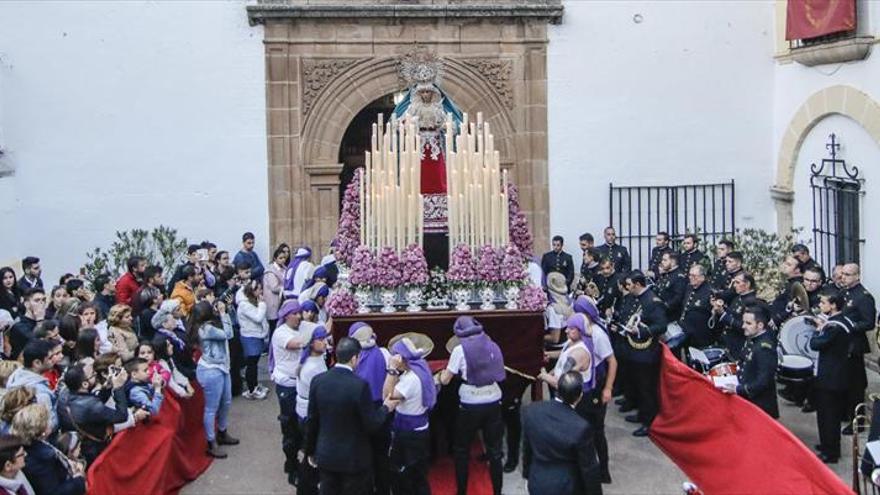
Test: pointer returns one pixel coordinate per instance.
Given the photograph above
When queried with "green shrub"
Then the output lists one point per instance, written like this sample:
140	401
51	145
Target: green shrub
159	246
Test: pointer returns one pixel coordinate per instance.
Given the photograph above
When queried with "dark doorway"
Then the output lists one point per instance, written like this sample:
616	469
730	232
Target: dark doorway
357	139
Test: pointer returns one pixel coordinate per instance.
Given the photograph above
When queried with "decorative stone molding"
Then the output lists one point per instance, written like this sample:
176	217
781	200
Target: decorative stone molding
538	10
848	50
833	100
317	73
497	72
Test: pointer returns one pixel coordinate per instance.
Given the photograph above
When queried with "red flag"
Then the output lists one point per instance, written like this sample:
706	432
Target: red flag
812	18
726	444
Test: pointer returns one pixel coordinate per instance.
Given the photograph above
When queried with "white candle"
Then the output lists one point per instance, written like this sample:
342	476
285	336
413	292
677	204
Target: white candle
363	217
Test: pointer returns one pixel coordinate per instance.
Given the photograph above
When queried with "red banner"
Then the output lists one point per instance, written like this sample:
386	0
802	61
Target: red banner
726	444
812	18
157	457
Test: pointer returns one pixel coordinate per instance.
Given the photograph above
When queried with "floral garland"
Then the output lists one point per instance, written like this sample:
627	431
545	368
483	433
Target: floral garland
348	234
462	269
414	266
341	303
388	273
520	234
532	298
363	267
489	264
513	270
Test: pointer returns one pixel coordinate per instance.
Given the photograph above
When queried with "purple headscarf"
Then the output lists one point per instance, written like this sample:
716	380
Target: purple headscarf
485	363
317	334
309	306
371	362
584	306
302	254
579	321
419	366
289	306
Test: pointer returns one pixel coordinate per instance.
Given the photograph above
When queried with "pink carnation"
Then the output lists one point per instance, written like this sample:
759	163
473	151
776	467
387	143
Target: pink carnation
462	268
532	298
341	303
414	266
489	264
363	267
388	273
520	234
348	234
513	269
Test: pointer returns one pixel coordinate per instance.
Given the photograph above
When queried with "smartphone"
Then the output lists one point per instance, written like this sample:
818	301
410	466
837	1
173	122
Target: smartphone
114	370
202	254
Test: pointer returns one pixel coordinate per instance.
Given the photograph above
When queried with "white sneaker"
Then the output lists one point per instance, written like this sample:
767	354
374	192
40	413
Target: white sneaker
261	394
262	389
247	394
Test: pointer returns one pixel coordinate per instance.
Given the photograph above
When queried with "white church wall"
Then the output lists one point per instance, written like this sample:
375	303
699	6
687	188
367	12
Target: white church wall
119	115
681	97
794	84
859	149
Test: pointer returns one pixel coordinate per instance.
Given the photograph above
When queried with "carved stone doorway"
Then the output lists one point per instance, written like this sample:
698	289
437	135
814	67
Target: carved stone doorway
356	139
325	62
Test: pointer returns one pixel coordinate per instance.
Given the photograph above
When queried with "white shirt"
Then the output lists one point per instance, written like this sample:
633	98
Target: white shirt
286	360
601	344
103	336
410	388
536	275
552	319
303	273
470	394
314	366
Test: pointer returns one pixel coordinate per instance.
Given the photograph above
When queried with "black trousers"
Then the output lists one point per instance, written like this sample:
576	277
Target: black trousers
593	410
487	419
830	410
236	361
291	437
308	476
645	378
380	442
410	453
336	483
858	383
510	413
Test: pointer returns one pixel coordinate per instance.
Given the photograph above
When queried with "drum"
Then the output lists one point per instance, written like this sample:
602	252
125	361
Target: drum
723	369
793	368
795	335
674	335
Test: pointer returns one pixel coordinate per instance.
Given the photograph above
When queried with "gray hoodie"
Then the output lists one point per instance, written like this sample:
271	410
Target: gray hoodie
24	377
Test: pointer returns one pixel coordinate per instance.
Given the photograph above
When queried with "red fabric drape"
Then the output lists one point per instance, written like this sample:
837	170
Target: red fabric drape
812	18
726	444
158	457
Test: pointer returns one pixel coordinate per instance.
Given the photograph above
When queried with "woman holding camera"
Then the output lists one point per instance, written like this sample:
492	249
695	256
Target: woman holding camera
213	328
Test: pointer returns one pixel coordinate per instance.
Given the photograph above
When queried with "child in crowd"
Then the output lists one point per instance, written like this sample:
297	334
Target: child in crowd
146	352
7	367
142	392
177	381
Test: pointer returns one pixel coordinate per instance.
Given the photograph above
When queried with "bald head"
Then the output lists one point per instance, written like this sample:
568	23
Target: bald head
850	275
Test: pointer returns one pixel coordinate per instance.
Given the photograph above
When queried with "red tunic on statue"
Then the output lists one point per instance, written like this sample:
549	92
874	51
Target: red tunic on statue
434	181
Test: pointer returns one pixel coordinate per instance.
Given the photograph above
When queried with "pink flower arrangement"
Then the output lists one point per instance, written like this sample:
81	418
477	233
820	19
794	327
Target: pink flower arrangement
341	303
519	226
512	270
348	234
388	273
462	269
489	264
532	298
363	267
414	266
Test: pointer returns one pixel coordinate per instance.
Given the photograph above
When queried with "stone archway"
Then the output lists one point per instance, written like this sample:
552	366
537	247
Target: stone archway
843	100
324	63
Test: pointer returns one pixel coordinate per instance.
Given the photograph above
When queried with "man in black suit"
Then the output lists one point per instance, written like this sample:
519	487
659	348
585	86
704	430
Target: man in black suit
559	457
661	246
340	420
672	282
756	371
805	262
860	308
615	252
697	309
558	260
720	280
690	253
730	316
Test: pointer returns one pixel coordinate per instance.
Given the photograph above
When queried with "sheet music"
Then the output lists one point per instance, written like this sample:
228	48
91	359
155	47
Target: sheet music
721	381
874	449
698	355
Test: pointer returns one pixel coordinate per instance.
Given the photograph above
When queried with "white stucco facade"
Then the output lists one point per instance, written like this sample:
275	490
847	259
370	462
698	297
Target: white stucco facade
117	115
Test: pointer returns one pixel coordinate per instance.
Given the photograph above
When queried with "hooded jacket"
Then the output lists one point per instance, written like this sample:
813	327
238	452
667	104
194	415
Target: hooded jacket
24	377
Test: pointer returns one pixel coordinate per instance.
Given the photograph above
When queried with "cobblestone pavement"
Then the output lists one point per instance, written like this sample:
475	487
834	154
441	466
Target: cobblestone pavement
637	466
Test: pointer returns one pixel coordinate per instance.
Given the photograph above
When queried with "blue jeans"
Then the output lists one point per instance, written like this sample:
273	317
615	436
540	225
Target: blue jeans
218	397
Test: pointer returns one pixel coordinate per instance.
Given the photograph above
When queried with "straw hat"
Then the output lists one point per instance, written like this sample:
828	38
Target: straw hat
420	340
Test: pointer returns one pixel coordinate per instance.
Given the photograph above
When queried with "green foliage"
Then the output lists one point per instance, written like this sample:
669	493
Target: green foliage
763	253
159	246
